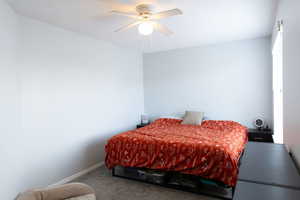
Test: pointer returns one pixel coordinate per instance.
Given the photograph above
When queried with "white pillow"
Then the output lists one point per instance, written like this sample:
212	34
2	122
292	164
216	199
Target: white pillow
193	118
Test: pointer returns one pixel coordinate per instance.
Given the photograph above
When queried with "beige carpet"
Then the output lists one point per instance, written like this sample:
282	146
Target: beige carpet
113	188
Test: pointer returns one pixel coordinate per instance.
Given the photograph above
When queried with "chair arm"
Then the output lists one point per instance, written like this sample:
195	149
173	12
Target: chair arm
58	192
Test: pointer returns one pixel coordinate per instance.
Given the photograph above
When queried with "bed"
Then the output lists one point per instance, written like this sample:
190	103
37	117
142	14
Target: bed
211	150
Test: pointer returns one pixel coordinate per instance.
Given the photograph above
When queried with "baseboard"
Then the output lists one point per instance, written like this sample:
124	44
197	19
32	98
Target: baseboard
78	174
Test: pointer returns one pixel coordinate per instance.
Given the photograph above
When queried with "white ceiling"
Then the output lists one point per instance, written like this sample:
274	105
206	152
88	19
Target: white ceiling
203	21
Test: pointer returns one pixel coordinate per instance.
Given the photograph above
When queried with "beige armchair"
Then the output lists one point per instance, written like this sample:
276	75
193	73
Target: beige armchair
71	191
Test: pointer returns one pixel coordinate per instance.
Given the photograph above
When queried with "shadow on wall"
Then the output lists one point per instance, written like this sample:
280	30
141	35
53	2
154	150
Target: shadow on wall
175	115
295	151
95	150
91	153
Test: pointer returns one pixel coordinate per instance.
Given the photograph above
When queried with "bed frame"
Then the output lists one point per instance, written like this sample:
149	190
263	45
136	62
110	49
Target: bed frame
216	189
205	186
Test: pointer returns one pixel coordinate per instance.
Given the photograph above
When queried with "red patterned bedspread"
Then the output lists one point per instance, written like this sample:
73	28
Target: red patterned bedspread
211	150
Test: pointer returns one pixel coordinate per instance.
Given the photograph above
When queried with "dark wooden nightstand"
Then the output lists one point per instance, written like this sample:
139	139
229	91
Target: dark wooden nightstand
256	135
141	125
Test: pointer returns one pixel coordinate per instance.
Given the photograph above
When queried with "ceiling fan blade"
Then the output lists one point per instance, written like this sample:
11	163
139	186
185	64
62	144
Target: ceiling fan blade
128	26
131	15
163	29
167	13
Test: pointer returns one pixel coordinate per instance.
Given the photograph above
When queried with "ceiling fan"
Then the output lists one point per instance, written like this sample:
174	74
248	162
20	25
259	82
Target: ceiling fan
146	19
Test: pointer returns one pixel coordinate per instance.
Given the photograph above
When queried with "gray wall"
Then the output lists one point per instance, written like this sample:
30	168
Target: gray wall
288	11
62	96
231	81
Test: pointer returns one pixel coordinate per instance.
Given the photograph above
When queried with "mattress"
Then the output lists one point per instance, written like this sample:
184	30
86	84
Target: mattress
210	150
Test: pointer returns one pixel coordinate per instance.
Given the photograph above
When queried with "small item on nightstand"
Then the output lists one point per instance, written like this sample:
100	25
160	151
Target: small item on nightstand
267	128
144	119
141	125
259	123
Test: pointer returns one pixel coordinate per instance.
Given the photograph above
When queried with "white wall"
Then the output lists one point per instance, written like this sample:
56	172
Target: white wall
62	96
9	129
288	11
229	81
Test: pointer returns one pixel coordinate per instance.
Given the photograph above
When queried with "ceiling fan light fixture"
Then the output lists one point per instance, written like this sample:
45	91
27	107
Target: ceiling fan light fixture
146	19
146	28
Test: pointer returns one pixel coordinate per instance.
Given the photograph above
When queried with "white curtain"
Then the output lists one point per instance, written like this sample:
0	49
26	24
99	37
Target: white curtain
277	53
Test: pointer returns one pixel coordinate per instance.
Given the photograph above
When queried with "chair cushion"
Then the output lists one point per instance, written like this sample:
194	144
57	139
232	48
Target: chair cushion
60	192
84	197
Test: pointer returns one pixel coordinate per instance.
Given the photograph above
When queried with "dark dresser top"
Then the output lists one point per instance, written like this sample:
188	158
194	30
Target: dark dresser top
253	191
269	164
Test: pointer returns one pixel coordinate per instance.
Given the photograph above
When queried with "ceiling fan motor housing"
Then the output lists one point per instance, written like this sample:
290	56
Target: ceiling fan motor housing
144	9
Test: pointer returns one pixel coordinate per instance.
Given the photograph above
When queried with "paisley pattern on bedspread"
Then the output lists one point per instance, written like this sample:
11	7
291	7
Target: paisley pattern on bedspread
210	150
